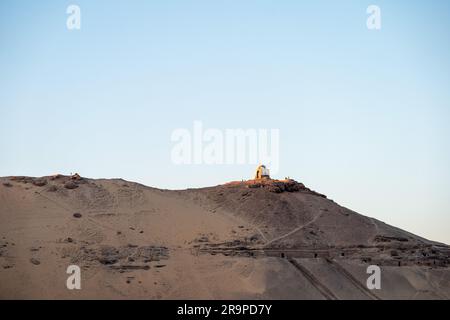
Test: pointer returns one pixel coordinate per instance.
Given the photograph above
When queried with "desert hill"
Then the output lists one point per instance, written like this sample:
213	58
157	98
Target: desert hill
274	239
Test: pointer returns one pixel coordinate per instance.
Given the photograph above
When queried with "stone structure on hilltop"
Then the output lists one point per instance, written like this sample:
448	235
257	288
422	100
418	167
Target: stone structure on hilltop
262	173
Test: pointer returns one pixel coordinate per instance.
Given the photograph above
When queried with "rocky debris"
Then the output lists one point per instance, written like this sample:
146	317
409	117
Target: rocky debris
130	257
394	253
70	185
7	184
107	260
78	179
56	177
69	182
77	215
3	246
35	261
285	186
22	179
202	239
52	188
380	238
127	267
272	185
40	182
246	242
153	253
256	238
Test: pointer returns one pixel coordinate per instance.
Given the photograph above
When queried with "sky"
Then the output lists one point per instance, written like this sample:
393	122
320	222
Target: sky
363	115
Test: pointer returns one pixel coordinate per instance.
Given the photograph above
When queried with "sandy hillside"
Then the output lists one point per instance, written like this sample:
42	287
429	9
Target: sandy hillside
275	240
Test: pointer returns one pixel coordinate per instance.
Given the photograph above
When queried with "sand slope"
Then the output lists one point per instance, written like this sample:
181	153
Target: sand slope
237	240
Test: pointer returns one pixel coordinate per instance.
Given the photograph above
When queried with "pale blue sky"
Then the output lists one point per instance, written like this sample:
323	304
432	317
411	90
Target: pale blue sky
363	115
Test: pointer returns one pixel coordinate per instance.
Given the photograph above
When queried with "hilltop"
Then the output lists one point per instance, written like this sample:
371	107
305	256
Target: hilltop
274	239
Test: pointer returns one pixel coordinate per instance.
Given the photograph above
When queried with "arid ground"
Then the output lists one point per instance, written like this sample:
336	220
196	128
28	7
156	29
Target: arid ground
241	240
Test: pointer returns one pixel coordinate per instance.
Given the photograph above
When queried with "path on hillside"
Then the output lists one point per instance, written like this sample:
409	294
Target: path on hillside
294	230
